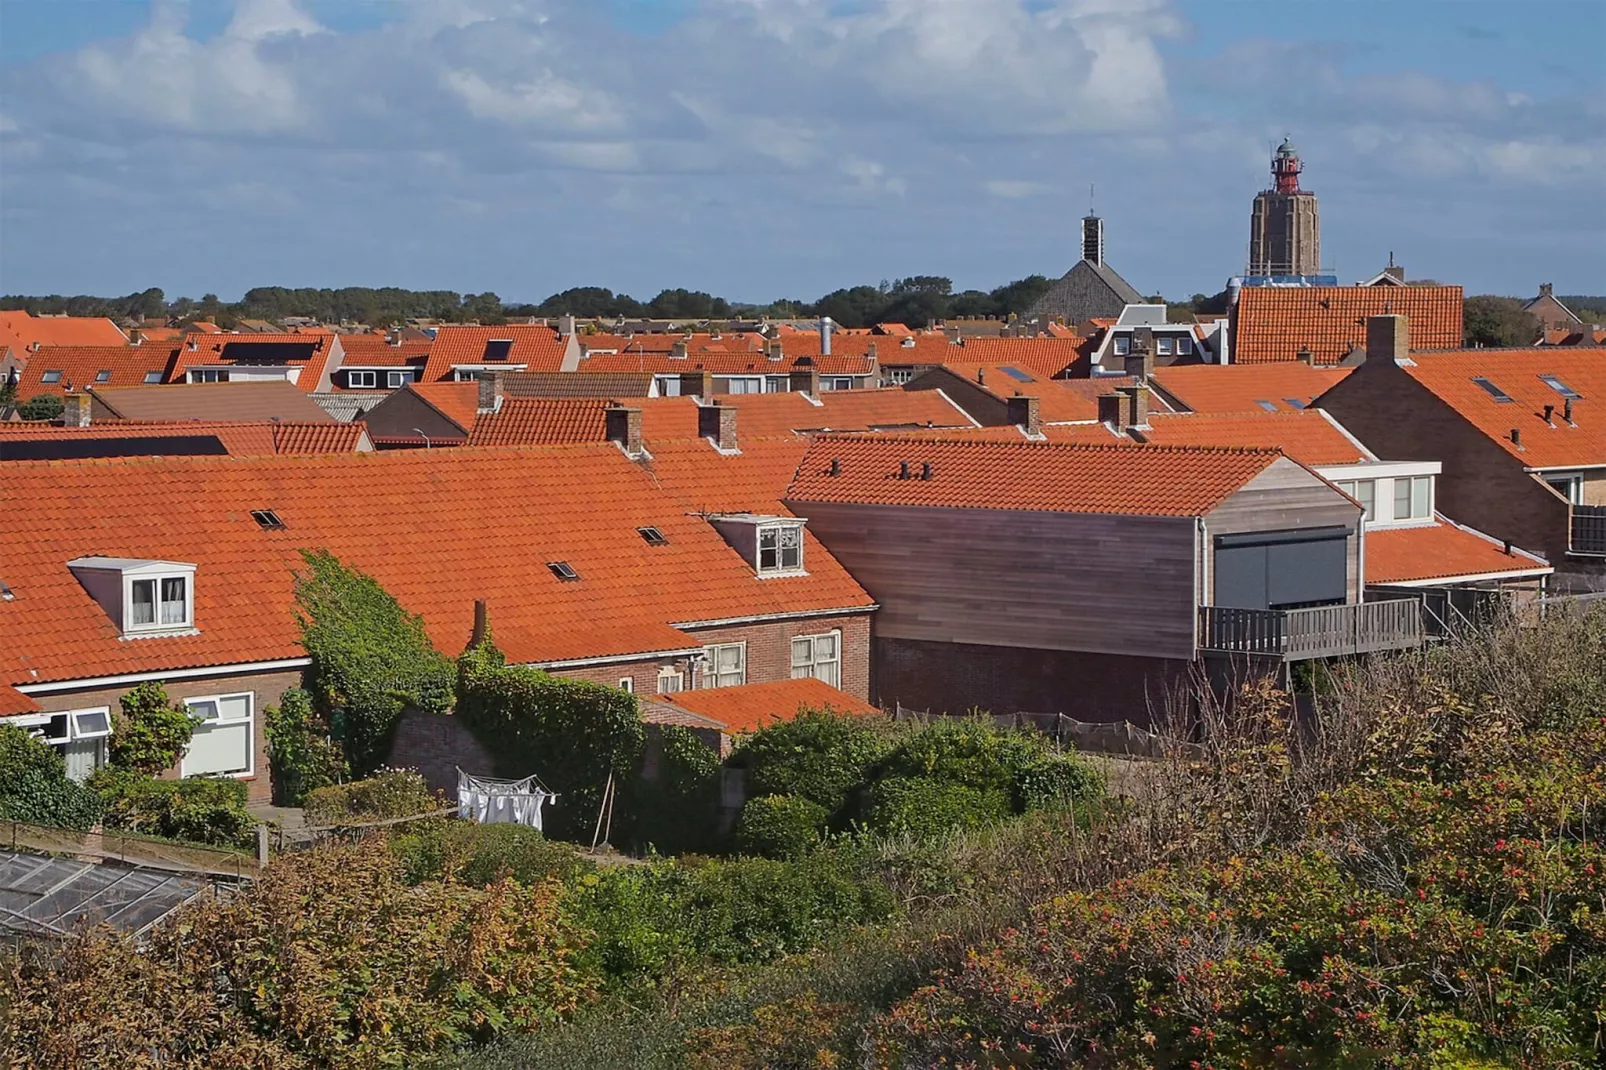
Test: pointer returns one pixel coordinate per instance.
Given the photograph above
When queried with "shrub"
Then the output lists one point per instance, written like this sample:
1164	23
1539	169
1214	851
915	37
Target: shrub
41	407
34	786
480	855
819	756
679	811
781	826
197	809
388	793
151	733
922	807
1023	765
570	733
301	756
370	658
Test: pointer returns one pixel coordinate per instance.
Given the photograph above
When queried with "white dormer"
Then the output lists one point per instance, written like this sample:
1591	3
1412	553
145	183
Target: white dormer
142	597
772	544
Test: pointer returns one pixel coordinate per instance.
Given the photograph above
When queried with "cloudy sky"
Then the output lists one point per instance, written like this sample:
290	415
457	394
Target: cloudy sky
767	148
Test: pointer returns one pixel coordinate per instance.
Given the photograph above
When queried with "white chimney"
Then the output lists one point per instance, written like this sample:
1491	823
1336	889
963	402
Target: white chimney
825	335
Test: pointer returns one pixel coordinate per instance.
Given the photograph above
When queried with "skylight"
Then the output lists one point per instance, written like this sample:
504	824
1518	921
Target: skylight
153	377
1560	387
1295	403
267	520
51	376
103	376
1018	375
652	536
1269	406
1492	390
498	348
562	571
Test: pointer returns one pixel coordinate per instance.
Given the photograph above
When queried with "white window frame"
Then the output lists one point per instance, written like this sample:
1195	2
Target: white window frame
1368	501
249	720
152	378
711	673
209	375
1162	346
675	675
1121	345
777	384
780	568
837	382
744	384
1409	483
38	726
159	582
1574	490
899	376
627	684
362	380
811	665
104	375
1184	346
396	380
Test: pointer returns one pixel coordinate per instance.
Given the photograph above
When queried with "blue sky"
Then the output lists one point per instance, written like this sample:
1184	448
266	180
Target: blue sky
768	148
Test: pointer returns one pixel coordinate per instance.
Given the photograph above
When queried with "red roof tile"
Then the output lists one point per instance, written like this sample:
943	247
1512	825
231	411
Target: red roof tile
78	367
238	438
458	402
1310	437
1143	481
1224	388
1273	323
438	528
769	415
1046	357
19	330
541	422
703	480
13	702
373	351
1058	400
752	706
738	362
1442	551
307	351
536	348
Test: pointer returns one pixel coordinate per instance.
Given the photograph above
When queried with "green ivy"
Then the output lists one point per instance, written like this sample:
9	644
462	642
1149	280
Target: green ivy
301	756
34	786
150	734
569	733
781	826
371	659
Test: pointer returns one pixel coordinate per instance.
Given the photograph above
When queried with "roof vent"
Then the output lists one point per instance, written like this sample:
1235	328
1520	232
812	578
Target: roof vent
1550	411
836	467
1516	438
1567	411
563	571
925	469
267	520
903	469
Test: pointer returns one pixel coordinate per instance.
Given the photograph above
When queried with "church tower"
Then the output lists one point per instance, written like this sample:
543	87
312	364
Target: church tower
1285	231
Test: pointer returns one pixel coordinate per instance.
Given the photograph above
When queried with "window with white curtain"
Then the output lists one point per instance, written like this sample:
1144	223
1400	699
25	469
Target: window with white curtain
223	743
79	736
819	656
670	681
725	665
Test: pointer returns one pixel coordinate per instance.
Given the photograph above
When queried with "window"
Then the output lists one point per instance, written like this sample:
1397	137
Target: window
668	386
361	379
162	602
103	376
79	736
1162	346
1412	497
465	375
52	376
1184	345
1123	345
209	375
223	743
1492	390
838	383
1560	387
562	570
819	656
670	681
1017	375
397	380
726	665
267	519
777	384
1569	487
780	548
1269	406
627	684
744	385
652	536
152	378
498	348
899	376
1295	403
1363	491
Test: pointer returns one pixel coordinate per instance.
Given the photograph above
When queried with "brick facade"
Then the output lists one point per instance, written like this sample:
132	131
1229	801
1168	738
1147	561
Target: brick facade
438	745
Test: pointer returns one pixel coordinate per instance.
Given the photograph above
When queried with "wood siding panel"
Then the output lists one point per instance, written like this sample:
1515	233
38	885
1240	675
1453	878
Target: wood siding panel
1288	497
1048	581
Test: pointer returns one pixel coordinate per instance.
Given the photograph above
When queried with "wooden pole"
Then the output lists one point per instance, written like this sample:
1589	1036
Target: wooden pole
607	790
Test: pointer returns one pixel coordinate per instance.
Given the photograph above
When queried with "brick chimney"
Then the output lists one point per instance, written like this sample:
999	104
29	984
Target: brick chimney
677	351
75	410
805	381
1306	356
1111	410
1388	338
1135	406
1545	289
490	399
774	350
566	324
1140	361
718	422
624	428
697	385
1023	413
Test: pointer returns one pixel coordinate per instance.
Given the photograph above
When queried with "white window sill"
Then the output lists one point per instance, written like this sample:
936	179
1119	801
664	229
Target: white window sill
780	574
159	633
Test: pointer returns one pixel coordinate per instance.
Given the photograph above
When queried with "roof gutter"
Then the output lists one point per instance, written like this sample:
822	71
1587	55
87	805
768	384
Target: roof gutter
606	659
759	618
238	668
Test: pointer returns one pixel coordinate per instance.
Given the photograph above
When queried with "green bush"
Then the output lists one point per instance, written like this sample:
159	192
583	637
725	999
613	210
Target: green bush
34	786
388	793
371	659
301	756
1023	765
480	855
151	733
570	733
196	809
679	811
922	806
781	826
41	407
820	756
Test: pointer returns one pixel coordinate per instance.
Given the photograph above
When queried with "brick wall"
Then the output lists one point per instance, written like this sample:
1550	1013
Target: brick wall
959	677
437	745
265	687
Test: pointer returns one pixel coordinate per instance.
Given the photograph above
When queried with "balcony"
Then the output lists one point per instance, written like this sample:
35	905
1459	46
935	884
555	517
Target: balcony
1587	533
1319	632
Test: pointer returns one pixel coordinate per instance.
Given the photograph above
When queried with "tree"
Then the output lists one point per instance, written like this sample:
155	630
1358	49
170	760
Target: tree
1498	322
41	407
150	733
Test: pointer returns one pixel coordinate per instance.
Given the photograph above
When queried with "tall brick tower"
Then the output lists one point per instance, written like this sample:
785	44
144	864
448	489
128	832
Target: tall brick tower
1285	231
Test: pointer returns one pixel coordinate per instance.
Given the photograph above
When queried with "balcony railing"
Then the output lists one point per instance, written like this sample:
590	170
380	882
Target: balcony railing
1588	534
1319	632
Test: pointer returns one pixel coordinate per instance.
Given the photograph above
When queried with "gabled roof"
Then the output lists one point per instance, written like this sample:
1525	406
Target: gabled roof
701	480
1046	357
211	401
1058	400
308	350
374	351
1516	373
1443	552
536	347
1086	291
579	384
437	528
1143	481
770	415
1310	437
1224	388
458	402
1273	323
235	438
541	422
78	367
19	330
752	706
739	362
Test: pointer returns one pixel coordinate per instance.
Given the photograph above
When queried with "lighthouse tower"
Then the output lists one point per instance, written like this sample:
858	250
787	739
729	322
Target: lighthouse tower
1285	230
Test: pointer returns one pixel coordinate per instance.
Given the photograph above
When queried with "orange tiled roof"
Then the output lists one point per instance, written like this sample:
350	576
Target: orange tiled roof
438	528
736	362
373	351
664	341
1310	437
1145	481
1224	388
238	438
308	349
702	480
770	415
1442	551
1058	400
1273	323
13	702
82	366
537	348
1516	372
19	330
541	422
458	402
1046	357
752	706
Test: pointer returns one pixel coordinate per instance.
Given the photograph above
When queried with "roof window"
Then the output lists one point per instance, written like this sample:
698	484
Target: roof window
780	548
1269	406
51	376
652	536
1295	403
103	376
1560	387
1492	390
152	378
563	571
498	348
267	520
1017	375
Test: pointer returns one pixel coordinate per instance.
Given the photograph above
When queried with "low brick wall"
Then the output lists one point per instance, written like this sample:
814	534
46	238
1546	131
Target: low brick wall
437	745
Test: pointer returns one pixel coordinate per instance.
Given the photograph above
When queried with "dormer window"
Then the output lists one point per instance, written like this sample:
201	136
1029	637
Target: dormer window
145	598
780	548
159	603
1123	345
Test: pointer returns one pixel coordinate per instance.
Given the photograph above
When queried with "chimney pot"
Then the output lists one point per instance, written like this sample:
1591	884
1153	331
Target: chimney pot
481	623
825	335
1567	410
903	469
981	376
1550	410
836	467
925	469
1516	437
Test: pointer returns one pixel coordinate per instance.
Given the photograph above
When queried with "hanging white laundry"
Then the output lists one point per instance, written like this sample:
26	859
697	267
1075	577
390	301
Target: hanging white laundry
485	800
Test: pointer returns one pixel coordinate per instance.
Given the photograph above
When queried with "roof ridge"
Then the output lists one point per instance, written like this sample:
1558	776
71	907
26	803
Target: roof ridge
974	443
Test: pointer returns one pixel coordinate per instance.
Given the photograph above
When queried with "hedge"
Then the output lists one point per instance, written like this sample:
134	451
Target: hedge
388	793
480	855
34	786
781	826
197	809
924	807
819	756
